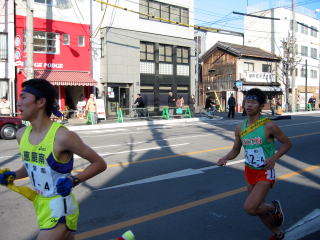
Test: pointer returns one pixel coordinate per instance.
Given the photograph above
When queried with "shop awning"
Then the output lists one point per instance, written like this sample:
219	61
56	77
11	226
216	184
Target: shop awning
245	88
66	78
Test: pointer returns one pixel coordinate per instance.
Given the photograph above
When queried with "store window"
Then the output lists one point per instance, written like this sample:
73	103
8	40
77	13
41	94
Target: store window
46	42
4	101
3	46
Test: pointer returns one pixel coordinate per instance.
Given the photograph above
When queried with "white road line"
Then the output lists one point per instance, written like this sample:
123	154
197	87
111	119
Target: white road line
160	140
297	124
136	150
10	156
172	175
307	225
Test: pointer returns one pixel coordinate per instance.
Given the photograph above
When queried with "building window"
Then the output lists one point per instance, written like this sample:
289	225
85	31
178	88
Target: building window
81	41
304	51
303	72
174	13
183	55
163	10
313	73
48	2
248	67
102	47
313	31
295	71
3	46
154	9
314	53
66	39
291	26
46	42
146	51
266	68
304	29
165	53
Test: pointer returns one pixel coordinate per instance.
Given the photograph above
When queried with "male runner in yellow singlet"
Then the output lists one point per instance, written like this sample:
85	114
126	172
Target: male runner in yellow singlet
256	134
47	150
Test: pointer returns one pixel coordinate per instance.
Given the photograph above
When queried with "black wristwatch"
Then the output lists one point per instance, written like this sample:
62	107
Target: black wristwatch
75	181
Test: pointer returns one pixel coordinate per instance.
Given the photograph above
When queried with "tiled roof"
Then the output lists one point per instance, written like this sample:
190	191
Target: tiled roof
241	51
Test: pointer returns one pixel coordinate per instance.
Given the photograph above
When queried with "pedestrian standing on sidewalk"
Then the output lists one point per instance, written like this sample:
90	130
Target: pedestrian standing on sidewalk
192	105
272	105
47	150
91	109
139	103
171	103
232	105
257	134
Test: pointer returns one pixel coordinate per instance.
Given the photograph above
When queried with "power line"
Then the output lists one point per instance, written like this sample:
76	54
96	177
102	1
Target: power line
256	16
160	18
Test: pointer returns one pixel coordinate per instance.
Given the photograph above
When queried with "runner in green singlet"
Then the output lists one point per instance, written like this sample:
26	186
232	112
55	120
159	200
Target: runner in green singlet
47	150
257	136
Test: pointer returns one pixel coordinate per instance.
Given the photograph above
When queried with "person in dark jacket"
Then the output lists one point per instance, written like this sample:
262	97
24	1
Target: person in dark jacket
171	103
139	102
232	105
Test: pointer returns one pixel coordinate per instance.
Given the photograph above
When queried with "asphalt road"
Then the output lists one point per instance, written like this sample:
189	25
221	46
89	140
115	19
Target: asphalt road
162	183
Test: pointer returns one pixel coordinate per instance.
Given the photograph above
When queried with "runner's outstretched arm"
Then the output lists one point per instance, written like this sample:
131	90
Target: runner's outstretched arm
68	141
235	149
272	130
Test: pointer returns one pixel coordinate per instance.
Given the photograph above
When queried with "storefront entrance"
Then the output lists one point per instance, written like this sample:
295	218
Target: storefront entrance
117	97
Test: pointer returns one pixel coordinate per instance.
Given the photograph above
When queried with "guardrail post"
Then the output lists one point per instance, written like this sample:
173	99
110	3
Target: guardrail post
120	115
187	113
90	118
165	113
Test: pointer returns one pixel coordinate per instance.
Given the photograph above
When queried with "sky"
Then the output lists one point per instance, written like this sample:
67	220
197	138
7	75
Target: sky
218	13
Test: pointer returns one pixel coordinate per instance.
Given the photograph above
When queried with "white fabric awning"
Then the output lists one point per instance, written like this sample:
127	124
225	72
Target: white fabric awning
263	88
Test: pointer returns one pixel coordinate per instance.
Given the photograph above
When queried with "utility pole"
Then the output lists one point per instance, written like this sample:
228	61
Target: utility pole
293	75
197	69
29	40
306	88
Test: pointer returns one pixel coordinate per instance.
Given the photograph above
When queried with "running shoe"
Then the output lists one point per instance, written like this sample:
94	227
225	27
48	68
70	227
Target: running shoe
278	216
277	236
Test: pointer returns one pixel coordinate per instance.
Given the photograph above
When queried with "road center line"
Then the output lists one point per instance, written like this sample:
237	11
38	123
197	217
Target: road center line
179	208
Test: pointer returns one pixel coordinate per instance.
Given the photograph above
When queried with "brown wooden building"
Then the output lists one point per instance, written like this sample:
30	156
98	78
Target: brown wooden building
230	68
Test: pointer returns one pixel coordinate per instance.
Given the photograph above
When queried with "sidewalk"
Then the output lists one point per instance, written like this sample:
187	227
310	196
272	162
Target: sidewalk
79	124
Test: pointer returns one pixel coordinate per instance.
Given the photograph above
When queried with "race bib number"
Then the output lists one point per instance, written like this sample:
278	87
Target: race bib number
255	157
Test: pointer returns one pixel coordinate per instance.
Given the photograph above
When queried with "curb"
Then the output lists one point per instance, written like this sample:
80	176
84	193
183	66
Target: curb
162	122
141	123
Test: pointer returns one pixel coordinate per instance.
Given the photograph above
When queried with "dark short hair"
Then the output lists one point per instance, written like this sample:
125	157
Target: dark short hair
259	93
139	94
48	90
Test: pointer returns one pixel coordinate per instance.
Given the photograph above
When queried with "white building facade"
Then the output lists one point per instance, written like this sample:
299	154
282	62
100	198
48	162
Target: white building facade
271	35
136	53
7	73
